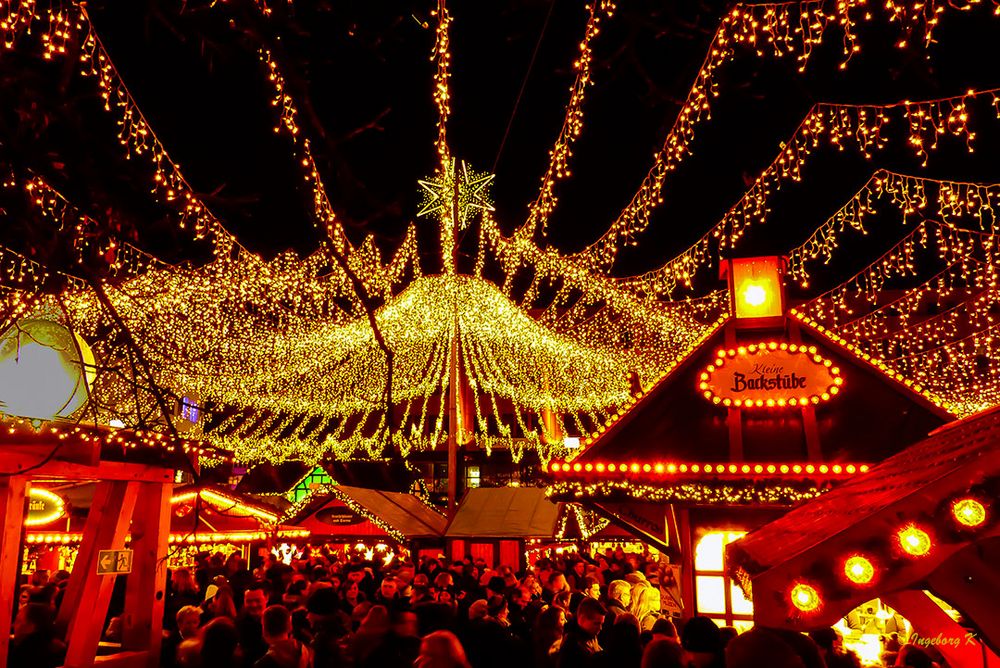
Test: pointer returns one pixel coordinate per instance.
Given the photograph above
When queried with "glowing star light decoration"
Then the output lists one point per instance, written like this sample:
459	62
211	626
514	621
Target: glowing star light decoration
968	512
469	187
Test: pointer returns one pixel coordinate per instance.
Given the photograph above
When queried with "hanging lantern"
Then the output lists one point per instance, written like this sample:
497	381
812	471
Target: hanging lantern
42	375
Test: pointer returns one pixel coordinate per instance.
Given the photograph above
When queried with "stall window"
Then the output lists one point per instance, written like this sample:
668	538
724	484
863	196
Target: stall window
716	595
317	477
472	477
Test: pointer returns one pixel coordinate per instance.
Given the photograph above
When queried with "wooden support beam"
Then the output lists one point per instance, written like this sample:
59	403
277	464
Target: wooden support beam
734	416
142	622
969	581
960	647
687	561
60	470
127	660
106	529
12	498
27	456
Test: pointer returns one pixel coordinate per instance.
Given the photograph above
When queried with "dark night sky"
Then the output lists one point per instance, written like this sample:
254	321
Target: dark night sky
196	77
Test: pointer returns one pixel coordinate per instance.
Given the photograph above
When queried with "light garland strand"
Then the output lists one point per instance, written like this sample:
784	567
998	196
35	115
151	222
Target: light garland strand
842	126
559	157
778	29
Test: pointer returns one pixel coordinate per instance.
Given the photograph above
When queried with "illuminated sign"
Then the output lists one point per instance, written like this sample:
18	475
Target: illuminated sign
767	375
339	516
43	507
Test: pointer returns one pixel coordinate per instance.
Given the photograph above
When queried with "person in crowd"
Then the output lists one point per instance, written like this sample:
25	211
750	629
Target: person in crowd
645	604
389	596
351	596
34	644
623	649
665	628
219	602
911	656
183	591
401	645
249	624
328	625
831	648
283	651
662	652
619	598
702	643
564	600
218	647
547	636
556	583
580	645
441	649
186	624
370	634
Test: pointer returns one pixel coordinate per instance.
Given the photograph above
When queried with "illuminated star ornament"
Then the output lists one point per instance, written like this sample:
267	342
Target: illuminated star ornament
468	186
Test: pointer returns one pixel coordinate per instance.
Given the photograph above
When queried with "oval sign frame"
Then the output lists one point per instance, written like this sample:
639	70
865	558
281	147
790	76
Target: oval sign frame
44	507
339	516
759	370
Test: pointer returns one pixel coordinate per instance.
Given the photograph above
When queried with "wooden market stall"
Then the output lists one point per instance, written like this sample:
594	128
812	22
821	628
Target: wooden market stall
215	518
352	520
925	519
206	518
134	474
766	411
499	524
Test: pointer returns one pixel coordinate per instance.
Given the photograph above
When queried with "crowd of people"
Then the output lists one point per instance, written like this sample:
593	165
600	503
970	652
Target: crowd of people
321	611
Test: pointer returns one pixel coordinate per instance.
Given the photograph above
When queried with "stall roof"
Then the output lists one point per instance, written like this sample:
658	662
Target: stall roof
503	512
407	515
869	517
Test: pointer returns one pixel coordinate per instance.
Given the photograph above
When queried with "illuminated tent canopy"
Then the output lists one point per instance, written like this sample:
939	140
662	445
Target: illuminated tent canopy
291	352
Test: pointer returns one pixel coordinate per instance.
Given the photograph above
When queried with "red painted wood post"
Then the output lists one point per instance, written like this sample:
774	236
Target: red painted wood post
12	496
86	619
145	593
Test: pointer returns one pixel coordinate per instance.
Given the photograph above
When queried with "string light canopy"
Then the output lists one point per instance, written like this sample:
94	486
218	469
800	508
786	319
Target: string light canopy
295	349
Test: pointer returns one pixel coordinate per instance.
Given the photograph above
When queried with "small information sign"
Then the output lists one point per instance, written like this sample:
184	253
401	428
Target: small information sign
114	562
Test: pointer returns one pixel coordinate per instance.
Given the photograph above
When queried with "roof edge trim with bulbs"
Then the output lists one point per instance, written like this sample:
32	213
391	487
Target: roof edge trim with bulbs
934	402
